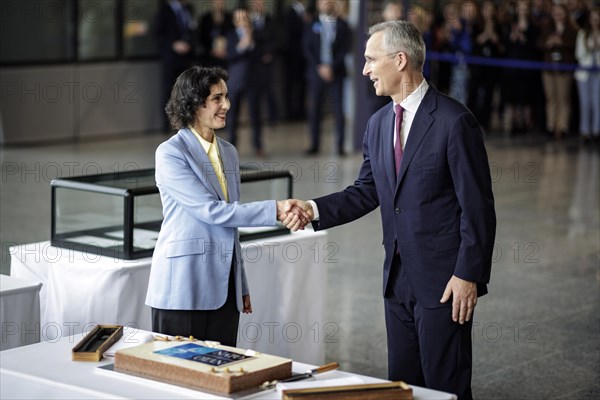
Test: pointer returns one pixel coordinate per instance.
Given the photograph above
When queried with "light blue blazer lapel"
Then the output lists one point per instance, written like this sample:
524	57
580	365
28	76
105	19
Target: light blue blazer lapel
231	169
419	129
203	165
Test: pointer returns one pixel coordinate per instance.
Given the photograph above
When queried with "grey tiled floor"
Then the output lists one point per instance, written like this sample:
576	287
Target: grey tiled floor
536	335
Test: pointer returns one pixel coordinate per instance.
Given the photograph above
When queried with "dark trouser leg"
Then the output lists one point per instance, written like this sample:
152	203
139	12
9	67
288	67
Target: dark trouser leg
295	84
337	87
446	352
254	97
425	347
235	97
315	111
269	91
404	361
288	93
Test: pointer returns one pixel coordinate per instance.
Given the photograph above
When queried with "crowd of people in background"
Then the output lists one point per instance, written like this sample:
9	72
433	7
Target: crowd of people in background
519	66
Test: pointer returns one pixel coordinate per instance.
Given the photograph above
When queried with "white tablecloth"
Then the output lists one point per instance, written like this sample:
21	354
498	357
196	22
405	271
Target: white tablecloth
45	371
286	274
19	312
288	281
81	289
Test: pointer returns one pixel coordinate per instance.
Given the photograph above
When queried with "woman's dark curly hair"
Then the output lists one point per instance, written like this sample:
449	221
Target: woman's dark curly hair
190	91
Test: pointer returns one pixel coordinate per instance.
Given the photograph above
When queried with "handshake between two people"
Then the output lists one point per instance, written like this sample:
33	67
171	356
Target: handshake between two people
294	214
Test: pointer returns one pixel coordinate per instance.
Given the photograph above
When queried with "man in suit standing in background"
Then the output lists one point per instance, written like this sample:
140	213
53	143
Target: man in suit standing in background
264	36
294	62
175	32
243	55
212	32
426	166
326	42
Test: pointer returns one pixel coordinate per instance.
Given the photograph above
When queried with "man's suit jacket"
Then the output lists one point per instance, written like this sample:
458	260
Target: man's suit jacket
168	30
242	66
264	37
294	30
198	239
208	31
439	213
312	48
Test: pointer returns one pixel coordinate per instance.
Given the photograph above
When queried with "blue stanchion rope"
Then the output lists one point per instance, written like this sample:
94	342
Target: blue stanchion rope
456	58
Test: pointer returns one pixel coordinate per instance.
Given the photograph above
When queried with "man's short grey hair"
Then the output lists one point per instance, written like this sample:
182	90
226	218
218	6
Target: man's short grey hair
402	36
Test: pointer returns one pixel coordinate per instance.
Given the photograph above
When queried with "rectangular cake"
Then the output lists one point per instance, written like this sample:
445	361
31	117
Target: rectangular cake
220	369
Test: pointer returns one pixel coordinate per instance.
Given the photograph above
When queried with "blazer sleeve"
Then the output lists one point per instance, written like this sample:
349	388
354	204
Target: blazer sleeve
176	179
245	286
351	203
470	173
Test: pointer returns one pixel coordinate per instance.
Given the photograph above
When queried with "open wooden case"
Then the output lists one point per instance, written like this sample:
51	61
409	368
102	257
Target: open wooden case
96	342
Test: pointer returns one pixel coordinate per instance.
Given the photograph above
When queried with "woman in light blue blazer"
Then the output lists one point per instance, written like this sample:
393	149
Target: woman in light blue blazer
197	281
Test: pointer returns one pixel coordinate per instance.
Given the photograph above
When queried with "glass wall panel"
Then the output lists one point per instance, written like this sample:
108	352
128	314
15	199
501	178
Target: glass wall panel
139	39
36	31
97	29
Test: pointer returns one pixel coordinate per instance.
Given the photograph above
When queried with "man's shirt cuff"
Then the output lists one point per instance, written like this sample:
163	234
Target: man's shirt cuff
315	209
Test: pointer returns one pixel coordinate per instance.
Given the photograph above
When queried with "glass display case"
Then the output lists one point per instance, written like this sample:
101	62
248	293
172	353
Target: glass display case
115	214
119	214
264	185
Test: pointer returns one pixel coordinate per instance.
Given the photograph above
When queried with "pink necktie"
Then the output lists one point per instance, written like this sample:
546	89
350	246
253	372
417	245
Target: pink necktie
398	146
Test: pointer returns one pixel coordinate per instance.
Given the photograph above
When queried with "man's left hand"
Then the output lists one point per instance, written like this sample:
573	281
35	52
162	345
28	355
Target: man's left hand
464	298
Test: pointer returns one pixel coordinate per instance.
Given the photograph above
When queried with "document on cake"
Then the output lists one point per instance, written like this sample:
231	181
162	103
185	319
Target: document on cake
202	354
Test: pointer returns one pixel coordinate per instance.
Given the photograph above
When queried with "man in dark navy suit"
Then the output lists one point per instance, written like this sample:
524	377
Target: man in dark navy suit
212	31
175	31
294	62
326	42
243	52
263	27
426	167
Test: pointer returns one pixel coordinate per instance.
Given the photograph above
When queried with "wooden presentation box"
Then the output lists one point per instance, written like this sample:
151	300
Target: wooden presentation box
96	342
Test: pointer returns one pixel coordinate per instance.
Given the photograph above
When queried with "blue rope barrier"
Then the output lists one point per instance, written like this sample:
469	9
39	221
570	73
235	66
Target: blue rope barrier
504	62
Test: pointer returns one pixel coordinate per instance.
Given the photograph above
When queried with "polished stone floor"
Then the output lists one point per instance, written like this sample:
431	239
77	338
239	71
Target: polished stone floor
536	335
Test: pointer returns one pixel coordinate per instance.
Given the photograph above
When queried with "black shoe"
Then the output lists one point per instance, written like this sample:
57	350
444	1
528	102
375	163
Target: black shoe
312	151
341	153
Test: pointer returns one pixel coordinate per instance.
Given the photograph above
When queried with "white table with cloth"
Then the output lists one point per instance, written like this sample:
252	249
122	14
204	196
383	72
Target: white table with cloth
19	312
287	275
45	371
